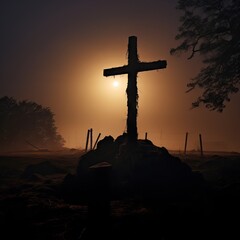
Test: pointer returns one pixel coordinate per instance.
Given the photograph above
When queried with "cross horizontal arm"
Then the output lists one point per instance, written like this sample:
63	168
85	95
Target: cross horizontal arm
145	66
139	67
115	71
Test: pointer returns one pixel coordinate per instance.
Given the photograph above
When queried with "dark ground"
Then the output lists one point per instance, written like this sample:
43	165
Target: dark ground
33	207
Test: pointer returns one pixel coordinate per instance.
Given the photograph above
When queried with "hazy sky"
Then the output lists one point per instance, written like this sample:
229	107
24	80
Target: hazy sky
53	52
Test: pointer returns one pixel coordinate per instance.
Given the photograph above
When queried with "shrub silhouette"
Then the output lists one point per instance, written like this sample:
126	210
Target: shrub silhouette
26	121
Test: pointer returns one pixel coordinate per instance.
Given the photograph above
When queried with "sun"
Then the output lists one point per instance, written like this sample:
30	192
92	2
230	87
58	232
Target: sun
115	84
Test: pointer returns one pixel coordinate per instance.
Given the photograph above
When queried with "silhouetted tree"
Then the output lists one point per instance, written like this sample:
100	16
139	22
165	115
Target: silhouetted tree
27	121
212	29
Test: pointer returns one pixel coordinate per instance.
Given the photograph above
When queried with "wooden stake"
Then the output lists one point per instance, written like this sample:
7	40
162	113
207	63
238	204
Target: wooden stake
95	144
91	138
87	140
185	147
201	146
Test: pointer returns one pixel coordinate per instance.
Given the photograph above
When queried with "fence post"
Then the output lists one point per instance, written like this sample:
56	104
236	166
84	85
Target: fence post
185	147
91	138
95	144
87	140
201	146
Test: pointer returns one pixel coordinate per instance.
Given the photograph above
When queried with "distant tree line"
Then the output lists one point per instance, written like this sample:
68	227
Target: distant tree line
23	122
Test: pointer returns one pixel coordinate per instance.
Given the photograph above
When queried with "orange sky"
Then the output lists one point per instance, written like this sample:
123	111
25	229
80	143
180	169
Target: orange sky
54	53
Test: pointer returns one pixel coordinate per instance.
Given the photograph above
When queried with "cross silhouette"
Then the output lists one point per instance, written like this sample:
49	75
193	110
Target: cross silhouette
134	66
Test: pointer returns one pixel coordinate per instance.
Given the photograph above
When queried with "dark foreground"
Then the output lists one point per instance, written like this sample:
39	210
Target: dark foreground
32	205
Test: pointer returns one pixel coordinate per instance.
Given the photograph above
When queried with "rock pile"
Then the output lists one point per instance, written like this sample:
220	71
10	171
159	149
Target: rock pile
138	169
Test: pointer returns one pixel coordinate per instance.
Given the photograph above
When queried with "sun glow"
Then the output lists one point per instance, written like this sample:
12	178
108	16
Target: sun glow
115	84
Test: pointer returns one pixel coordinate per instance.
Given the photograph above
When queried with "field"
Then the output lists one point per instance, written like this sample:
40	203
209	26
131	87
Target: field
32	206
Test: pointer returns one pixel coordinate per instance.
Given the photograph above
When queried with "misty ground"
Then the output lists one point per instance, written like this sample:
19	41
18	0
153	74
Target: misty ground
32	206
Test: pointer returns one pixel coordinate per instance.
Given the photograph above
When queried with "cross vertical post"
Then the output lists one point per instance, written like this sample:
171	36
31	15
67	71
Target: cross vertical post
132	91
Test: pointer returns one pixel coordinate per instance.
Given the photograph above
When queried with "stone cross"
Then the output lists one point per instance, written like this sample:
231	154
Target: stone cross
134	66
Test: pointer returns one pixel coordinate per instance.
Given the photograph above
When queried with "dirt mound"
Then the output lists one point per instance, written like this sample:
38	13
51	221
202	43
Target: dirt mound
140	169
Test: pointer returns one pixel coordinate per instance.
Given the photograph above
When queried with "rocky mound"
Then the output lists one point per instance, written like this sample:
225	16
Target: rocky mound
137	169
